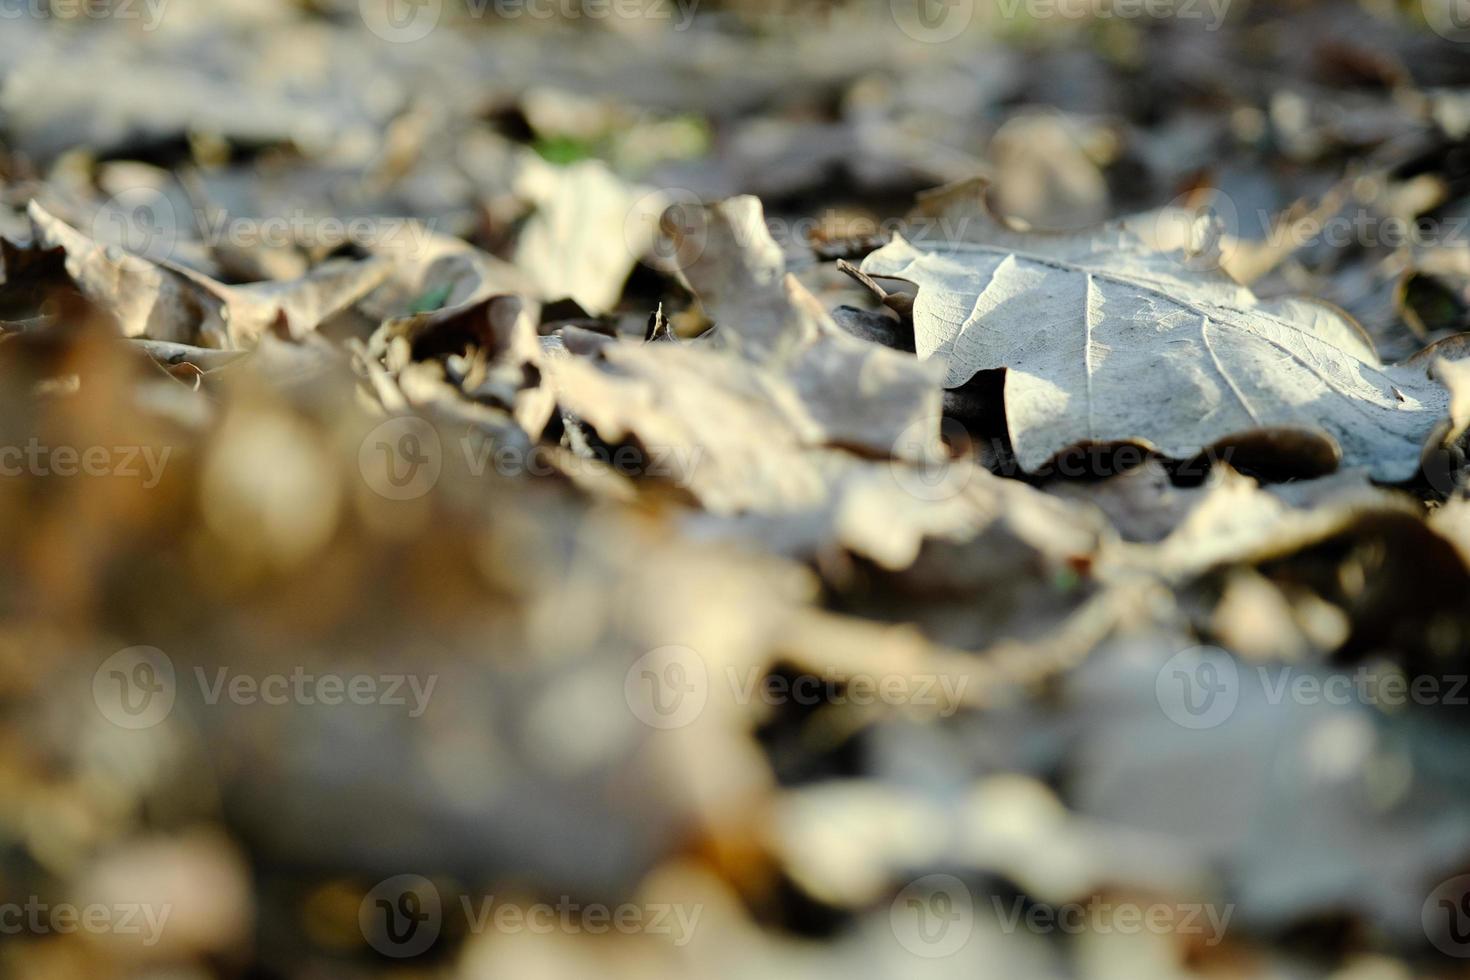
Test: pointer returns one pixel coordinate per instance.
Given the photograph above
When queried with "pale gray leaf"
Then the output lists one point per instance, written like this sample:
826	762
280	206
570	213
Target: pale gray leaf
1106	340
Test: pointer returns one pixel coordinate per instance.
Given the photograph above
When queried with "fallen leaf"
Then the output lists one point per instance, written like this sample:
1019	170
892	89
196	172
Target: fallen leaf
1105	340
861	394
166	302
587	232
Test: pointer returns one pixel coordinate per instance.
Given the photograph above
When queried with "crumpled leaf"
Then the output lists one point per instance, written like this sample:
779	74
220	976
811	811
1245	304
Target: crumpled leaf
1232	519
1106	340
440	273
860	394
740	441
495	356
303	303
162	301
737	436
755	420
147	299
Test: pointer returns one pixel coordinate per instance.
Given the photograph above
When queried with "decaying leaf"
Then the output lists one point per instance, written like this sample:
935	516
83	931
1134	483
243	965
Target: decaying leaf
1105	340
146	299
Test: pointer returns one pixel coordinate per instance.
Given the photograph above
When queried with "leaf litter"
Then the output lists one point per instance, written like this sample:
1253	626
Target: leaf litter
649	493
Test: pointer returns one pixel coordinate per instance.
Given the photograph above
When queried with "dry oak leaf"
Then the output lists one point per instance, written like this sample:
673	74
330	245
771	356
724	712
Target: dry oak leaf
1105	340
